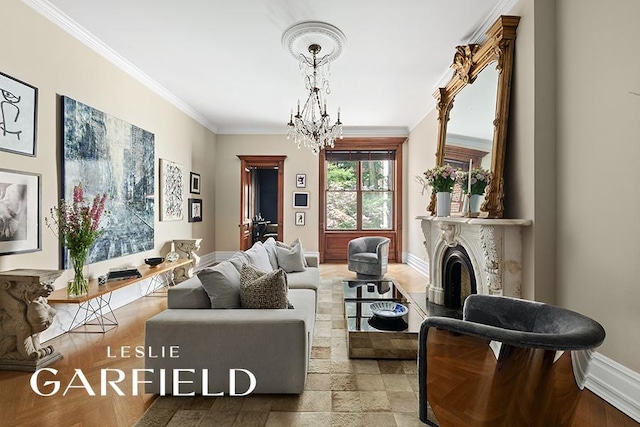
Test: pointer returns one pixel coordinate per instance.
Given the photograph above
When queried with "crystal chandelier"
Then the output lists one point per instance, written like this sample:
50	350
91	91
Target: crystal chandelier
310	127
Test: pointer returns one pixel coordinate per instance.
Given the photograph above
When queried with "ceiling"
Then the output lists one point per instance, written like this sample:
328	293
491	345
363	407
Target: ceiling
223	63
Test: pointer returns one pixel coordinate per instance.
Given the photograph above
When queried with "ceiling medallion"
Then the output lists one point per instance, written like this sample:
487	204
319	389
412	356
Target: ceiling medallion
310	127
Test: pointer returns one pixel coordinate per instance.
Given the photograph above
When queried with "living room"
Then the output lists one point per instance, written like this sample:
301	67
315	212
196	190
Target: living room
566	98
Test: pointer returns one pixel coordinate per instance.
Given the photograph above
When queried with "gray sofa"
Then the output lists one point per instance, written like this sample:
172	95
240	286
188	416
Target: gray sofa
273	344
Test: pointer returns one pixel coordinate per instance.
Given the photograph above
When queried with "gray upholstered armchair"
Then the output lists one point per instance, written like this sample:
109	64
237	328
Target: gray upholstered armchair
509	362
368	256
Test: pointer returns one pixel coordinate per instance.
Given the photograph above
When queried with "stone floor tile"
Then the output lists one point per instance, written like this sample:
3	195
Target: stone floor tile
374	401
408	420
186	418
318	382
218	419
251	419
344	382
364	366
369	382
396	382
403	401
345	401
345	419
378	419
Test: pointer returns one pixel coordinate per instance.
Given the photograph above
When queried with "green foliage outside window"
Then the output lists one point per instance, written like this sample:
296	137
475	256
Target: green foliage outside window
376	195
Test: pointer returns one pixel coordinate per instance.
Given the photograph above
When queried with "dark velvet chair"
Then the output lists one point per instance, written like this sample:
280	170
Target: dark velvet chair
368	257
509	362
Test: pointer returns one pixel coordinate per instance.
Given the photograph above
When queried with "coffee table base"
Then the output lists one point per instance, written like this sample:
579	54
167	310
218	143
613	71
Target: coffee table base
376	345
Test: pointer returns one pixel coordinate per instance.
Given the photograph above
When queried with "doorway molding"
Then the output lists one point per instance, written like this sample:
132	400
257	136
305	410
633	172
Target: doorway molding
247	193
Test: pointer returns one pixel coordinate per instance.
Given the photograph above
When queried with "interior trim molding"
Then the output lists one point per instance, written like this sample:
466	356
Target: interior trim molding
615	383
418	264
55	15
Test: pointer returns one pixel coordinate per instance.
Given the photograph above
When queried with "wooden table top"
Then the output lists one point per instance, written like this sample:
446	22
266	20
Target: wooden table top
59	296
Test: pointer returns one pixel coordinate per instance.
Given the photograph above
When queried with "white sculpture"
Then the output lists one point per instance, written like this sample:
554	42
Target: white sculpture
186	249
24	314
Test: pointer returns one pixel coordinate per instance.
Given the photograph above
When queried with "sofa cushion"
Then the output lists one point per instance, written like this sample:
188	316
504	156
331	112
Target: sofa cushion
258	257
270	246
290	260
308	279
188	294
260	289
222	284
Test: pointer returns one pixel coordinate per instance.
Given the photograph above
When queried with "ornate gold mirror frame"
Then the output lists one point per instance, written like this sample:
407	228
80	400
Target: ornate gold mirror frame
468	62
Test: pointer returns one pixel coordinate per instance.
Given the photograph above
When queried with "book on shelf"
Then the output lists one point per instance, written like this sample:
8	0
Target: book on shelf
123	274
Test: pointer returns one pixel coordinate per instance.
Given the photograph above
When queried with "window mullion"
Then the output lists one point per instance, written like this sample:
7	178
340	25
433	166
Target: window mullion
359	197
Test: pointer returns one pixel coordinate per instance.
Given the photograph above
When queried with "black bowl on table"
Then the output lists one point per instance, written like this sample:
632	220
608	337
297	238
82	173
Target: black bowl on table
154	262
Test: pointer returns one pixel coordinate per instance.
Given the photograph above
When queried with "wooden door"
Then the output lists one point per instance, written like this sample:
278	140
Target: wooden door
247	194
246	208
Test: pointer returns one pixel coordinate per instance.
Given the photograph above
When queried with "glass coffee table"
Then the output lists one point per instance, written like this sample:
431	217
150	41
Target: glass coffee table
371	336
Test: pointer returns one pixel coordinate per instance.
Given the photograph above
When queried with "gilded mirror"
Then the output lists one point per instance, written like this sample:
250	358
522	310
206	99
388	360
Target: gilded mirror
475	129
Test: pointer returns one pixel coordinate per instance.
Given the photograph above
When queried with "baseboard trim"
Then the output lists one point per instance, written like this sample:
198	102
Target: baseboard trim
615	383
418	264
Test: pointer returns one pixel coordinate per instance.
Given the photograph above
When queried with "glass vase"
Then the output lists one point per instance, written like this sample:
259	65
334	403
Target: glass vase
79	285
172	256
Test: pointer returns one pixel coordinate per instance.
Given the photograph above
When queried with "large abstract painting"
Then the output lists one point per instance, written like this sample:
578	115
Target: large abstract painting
108	155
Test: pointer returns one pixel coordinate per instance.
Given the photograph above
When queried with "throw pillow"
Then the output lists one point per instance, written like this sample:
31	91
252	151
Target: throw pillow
270	246
297	241
290	260
259	289
258	257
222	284
238	260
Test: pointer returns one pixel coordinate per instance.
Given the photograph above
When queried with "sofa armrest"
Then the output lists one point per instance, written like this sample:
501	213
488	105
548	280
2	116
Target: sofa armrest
312	260
274	345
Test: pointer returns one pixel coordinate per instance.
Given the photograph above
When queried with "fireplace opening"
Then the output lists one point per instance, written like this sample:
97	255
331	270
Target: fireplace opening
459	279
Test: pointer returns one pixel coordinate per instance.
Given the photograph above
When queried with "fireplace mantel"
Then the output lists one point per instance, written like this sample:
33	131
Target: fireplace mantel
494	246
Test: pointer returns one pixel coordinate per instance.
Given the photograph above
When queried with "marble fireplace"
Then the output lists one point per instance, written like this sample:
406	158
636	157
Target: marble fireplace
472	255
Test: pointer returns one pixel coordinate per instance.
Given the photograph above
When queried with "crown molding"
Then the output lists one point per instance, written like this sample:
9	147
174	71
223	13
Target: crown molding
55	15
347	131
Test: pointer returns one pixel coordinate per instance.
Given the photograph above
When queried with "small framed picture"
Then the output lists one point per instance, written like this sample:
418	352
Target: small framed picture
301	199
195	210
194	183
18	115
301	180
299	218
19	212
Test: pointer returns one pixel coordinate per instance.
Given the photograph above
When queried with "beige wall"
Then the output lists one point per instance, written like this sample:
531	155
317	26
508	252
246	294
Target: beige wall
573	137
227	175
420	155
40	53
598	152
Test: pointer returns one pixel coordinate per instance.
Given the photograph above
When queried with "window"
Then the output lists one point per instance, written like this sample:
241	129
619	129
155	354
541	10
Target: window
359	190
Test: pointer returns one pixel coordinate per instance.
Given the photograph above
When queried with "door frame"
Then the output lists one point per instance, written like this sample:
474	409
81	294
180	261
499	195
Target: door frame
260	162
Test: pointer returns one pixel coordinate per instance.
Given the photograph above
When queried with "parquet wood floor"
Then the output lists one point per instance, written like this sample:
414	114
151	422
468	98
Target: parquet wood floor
20	406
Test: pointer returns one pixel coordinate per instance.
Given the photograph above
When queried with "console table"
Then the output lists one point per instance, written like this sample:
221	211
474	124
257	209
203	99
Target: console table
96	305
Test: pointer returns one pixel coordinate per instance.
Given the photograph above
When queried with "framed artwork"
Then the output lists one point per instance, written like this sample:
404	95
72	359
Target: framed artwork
171	191
18	116
194	183
299	218
301	199
301	180
195	210
108	155
19	212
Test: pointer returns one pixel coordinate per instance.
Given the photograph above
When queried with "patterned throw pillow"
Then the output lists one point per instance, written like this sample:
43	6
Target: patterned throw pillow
260	289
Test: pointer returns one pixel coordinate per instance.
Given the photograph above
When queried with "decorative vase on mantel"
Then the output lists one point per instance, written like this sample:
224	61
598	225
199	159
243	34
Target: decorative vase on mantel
78	285
476	201
443	206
